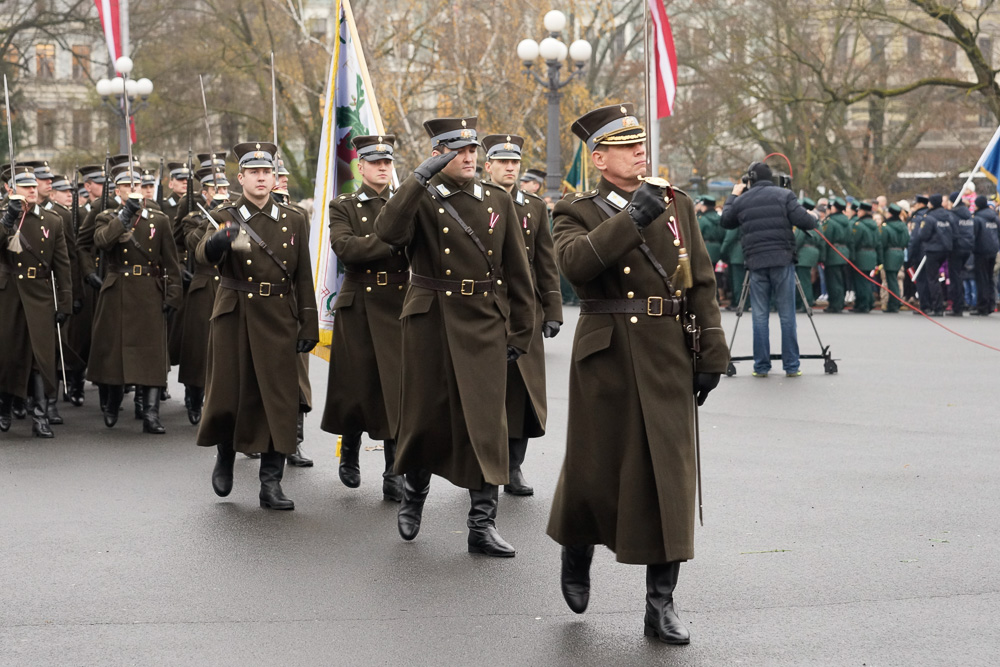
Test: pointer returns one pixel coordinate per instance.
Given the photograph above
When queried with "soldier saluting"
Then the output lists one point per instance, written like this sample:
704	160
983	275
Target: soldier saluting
462	244
264	314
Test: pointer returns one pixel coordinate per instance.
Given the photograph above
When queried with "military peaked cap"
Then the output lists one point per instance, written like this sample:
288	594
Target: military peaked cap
60	183
92	172
614	125
503	146
179	170
452	132
536	175
24	176
255	154
375	147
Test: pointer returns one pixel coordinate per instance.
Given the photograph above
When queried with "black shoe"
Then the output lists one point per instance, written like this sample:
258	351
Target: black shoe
483	536
661	619
194	402
164	394
416	486
272	466
300	428
139	399
392	484
151	416
113	402
5	414
299	460
575	576
252	456
18	408
222	474
39	417
954	313
350	467
52	410
517	448
76	389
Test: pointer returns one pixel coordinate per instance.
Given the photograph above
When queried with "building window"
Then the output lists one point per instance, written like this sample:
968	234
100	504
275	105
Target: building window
81	129
81	62
45	61
46	127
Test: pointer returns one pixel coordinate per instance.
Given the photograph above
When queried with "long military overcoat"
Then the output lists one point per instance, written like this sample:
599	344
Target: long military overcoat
527	408
452	418
628	479
363	383
252	391
198	303
130	343
75	358
27	307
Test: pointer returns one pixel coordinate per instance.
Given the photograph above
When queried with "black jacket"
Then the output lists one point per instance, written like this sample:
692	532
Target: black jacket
765	215
987	232
936	231
962	230
915	250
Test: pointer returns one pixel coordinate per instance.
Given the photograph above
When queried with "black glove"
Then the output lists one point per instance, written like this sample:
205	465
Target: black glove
647	205
304	346
77	306
94	281
168	310
128	211
62	318
431	166
513	353
220	242
13	214
704	383
550	328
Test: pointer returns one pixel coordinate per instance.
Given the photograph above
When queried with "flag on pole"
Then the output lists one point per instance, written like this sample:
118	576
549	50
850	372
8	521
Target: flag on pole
989	163
576	179
110	17
349	110
664	60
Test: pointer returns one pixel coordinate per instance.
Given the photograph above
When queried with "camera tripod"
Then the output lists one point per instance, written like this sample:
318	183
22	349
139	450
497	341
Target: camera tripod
829	365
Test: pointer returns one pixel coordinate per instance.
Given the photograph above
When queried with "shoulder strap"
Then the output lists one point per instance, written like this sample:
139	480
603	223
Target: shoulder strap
446	205
257	239
610	212
31	251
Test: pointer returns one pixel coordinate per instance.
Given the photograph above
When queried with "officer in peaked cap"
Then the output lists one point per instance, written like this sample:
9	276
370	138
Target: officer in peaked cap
212	159
264	315
92	178
147	186
32	253
532	181
177	183
88	254
526	396
458	333
362	393
633	252
867	255
44	176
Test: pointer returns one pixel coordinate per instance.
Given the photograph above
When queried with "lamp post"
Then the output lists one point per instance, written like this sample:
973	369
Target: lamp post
118	88
554	53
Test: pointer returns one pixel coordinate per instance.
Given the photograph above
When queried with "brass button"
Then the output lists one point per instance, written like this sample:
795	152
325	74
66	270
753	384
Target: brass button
368	289
440	210
284	245
677	293
489	252
448	293
487	193
627	270
447	272
489	210
445	230
249	296
249	261
499	282
368	270
677	317
400	287
284	229
250	280
631	295
634	319
447	251
527	231
359	205
364	219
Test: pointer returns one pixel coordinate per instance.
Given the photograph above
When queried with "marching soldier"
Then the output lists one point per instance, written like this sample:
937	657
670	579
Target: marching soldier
526	398
32	252
177	182
532	181
634	370
363	384
142	285
264	314
462	244
837	230
212	166
867	254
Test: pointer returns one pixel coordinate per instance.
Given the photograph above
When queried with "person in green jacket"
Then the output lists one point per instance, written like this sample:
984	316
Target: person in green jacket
808	254
893	240
867	255
732	253
837	231
711	229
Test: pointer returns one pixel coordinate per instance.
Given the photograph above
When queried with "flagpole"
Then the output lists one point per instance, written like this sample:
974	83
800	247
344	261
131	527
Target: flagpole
982	159
652	121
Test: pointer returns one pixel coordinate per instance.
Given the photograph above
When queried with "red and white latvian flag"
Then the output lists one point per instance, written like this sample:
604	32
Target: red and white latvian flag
664	60
112	27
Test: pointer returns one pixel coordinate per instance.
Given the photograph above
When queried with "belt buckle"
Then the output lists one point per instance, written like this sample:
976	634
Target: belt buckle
264	289
382	278
137	269
468	287
654	306
32	272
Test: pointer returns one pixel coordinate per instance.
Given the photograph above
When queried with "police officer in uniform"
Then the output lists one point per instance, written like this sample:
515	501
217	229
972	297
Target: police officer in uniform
987	244
837	230
866	252
32	253
628	479
526	396
809	252
893	237
936	230
264	315
963	234
461	240
363	384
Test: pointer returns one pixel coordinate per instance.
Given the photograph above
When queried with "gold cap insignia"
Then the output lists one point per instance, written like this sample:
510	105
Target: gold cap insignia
508	146
466	134
380	139
624	110
259	155
382	148
629	122
463	122
257	146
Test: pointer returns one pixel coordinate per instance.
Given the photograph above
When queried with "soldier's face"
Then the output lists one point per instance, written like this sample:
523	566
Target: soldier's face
503	172
624	163
148	191
376	173
29	192
124	190
94	189
44	187
531	186
257	182
177	186
222	190
462	168
64	197
282	182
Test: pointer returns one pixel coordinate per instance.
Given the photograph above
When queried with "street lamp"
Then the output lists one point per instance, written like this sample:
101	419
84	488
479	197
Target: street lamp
553	51
122	86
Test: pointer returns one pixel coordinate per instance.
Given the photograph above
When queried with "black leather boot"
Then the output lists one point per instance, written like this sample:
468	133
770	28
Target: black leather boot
392	484
52	411
151	416
102	396
517	448
113	402
39	418
272	467
575	576
222	474
6	400
298	459
19	409
195	401
140	398
483	535
164	394
661	620
300	428
416	486
76	388
350	467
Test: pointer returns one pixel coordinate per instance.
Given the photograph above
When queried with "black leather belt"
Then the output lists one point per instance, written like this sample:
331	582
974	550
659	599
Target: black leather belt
260	289
463	287
212	273
653	306
379	278
32	272
135	269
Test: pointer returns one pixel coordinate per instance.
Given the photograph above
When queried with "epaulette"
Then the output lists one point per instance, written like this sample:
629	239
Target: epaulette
345	197
533	196
580	196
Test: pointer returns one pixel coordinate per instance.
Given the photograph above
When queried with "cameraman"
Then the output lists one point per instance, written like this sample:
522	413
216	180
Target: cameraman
765	215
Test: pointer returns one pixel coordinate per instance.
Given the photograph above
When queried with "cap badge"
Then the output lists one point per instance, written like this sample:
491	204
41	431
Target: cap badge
508	137
257	146
508	146
259	155
381	148
466	134
628	121
624	110
463	122
380	139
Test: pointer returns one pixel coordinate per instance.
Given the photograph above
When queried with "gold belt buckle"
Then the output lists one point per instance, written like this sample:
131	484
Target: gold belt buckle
382	278
32	272
654	306
137	269
468	287
264	289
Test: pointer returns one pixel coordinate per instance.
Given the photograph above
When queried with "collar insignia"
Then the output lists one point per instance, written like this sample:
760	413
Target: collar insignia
274	211
145	213
519	198
363	196
445	192
172	201
48	206
244	212
477	191
617	200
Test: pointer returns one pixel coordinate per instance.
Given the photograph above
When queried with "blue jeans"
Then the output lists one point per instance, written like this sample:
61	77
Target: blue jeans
777	282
